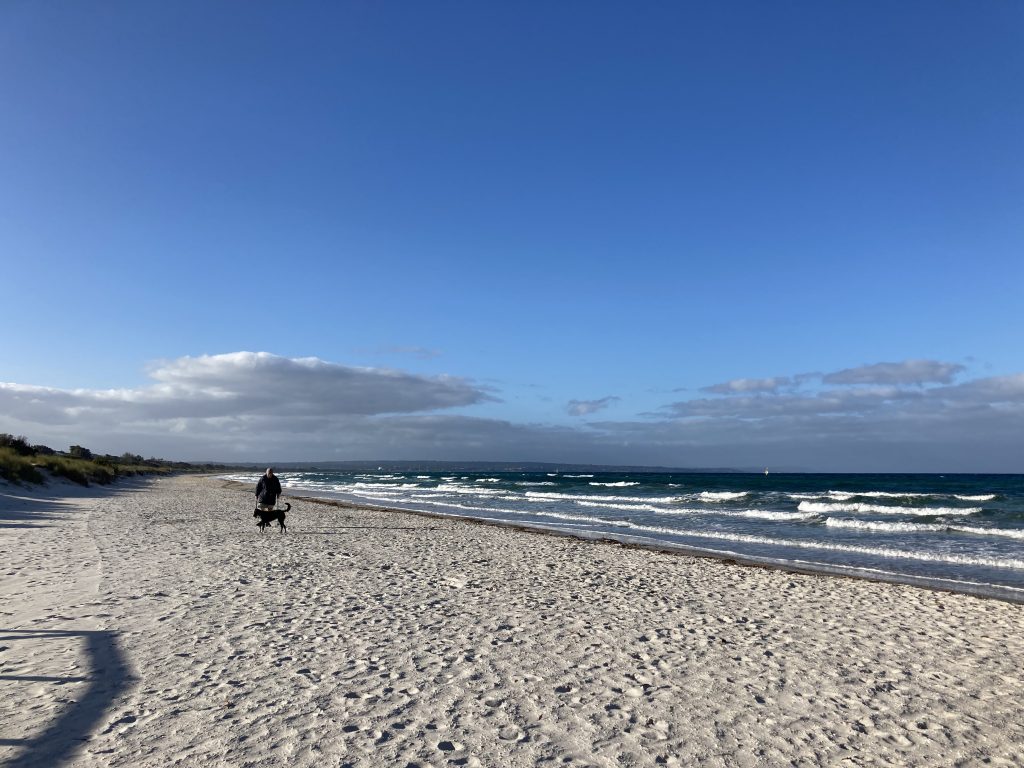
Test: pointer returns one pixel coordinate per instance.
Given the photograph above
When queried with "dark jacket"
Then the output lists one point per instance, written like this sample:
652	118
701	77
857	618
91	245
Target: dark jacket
268	489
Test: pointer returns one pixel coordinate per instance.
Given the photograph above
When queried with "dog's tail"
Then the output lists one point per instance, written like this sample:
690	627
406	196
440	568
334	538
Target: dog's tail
287	507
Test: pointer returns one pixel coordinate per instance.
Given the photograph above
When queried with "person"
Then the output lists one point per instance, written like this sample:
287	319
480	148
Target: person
267	490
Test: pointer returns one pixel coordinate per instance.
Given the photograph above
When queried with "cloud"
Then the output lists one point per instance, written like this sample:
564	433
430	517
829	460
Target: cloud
749	385
253	406
976	425
586	407
243	385
908	372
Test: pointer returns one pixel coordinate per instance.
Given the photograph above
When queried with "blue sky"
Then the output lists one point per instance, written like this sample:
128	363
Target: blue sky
550	203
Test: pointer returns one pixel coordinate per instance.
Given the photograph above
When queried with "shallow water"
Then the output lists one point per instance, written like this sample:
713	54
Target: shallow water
963	532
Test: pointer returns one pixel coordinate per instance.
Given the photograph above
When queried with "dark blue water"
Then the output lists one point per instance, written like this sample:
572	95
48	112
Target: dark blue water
963	532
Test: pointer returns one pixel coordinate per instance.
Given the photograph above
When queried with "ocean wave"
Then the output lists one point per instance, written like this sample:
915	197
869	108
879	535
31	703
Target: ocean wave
879	525
577	475
620	484
624	507
722	495
586	519
368	494
767	514
886	552
535	482
471	490
875	551
938	557
753	514
454	488
882	509
555	496
384	485
488	480
847	495
457	505
887	527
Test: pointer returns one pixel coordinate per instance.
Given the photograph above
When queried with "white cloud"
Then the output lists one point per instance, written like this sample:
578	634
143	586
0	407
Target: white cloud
586	407
238	386
906	372
736	386
251	406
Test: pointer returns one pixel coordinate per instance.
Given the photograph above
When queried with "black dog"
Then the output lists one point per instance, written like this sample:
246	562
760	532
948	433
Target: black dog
266	518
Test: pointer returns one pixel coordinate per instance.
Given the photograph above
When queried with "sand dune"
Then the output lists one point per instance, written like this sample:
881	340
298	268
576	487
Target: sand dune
154	626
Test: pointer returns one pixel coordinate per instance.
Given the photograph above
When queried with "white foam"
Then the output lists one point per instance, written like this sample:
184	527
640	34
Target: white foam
488	480
620	484
377	495
755	514
992	562
588	497
845	495
577	475
722	495
535	482
767	514
1011	533
626	507
396	486
886	552
467	489
878	525
826	507
585	519
979	497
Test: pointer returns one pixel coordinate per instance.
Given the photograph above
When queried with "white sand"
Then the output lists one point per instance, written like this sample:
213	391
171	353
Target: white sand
156	627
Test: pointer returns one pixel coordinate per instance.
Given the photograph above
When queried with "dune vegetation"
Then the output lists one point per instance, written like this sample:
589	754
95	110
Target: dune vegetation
24	463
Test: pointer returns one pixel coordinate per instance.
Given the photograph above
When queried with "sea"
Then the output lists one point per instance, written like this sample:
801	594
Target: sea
958	532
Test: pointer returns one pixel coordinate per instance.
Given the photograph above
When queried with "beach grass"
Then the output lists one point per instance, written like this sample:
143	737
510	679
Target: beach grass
23	463
18	469
23	469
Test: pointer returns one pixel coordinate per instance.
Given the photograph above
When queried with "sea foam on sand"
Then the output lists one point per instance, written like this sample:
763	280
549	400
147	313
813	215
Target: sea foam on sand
153	625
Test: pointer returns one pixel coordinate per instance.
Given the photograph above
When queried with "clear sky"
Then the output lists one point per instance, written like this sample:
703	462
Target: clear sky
735	233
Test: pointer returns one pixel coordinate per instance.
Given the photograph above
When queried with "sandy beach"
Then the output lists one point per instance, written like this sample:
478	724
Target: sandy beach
153	625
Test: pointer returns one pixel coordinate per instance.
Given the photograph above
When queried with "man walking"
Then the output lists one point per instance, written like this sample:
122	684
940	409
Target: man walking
267	490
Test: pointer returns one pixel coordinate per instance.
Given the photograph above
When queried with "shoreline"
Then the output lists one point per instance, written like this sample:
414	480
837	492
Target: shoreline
1002	593
155	625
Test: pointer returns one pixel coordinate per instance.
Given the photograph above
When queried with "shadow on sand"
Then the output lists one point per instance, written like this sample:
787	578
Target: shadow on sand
336	528
108	678
32	506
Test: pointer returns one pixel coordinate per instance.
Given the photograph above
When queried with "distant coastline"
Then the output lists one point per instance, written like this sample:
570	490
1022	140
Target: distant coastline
481	466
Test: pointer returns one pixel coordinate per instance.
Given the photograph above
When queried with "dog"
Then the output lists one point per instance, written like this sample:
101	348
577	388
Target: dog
266	518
